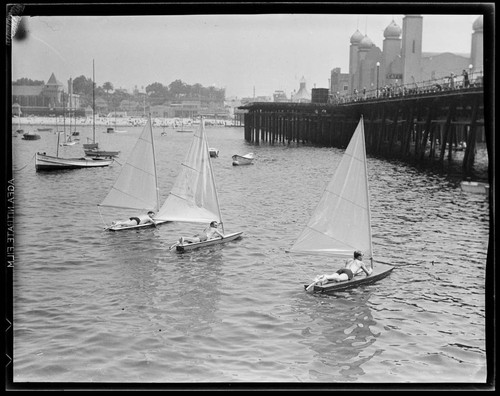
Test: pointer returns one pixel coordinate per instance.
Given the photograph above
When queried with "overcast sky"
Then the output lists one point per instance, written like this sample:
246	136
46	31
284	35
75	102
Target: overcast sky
237	52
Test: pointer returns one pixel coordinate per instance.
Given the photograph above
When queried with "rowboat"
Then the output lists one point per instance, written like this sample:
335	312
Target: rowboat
475	187
246	159
31	136
214	153
98	153
341	222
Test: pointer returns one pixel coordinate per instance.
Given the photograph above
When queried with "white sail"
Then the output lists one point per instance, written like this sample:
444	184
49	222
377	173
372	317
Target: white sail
193	197
137	184
341	222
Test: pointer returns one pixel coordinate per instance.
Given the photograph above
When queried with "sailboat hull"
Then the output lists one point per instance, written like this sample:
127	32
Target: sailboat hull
50	163
380	271
216	241
121	228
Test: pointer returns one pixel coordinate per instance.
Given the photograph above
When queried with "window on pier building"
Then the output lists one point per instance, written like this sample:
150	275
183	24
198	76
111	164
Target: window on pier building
346	88
413	46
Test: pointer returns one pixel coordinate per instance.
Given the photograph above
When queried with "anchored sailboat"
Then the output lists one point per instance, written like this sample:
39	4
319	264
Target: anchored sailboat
341	223
193	197
137	185
92	149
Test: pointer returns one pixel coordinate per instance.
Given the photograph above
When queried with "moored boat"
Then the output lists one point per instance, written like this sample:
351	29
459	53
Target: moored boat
475	187
31	136
98	153
246	159
214	153
45	162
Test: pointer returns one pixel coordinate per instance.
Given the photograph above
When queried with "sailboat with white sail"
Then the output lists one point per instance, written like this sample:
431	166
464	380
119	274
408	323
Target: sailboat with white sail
137	184
341	223
193	197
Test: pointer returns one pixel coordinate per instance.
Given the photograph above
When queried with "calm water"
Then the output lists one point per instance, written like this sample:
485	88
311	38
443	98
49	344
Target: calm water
96	306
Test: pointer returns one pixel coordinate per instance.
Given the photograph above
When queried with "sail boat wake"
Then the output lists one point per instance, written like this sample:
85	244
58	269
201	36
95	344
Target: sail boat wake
341	223
193	197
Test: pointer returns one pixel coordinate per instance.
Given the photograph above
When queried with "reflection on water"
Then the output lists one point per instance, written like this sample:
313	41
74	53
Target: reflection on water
91	305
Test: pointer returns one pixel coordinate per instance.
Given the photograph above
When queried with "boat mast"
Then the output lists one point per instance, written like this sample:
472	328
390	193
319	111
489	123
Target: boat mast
154	161
212	172
93	102
367	187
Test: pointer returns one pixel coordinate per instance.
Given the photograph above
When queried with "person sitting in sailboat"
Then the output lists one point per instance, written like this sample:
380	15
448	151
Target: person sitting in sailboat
352	268
136	220
208	233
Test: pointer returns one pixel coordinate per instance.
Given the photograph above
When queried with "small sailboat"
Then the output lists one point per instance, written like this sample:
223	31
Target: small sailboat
92	149
193	197
341	222
44	162
137	185
246	159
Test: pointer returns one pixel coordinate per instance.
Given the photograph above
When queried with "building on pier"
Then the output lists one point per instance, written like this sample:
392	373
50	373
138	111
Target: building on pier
402	61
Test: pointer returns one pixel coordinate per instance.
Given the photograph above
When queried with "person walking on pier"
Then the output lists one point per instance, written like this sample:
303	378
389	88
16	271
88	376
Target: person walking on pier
452	81
466	78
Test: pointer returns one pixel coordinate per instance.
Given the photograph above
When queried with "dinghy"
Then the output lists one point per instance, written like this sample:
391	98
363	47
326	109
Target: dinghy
246	159
341	222
137	184
194	195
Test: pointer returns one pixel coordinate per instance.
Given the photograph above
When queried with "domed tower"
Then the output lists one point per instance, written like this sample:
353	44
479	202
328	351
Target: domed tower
390	51
353	57
476	52
411	51
363	80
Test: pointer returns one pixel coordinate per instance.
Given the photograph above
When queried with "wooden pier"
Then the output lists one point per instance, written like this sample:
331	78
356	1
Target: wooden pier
424	127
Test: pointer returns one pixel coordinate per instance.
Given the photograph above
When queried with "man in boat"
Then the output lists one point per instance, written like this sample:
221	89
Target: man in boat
136	220
352	268
211	233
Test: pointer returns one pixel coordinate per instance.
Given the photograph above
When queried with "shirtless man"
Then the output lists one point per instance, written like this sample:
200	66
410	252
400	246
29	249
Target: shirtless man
351	269
136	220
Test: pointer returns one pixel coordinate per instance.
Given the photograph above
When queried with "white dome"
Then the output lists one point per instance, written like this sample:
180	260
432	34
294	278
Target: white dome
356	37
392	31
366	43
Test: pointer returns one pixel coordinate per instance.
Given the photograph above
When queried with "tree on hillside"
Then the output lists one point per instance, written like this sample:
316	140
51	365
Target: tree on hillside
107	86
82	86
27	81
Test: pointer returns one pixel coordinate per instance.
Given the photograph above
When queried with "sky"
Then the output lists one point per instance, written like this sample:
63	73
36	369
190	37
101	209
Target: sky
245	54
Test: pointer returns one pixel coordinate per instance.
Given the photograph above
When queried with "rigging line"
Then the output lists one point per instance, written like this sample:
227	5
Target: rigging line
19	170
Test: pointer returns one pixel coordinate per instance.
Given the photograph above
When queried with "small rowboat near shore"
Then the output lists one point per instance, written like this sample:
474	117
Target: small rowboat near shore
246	159
475	187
